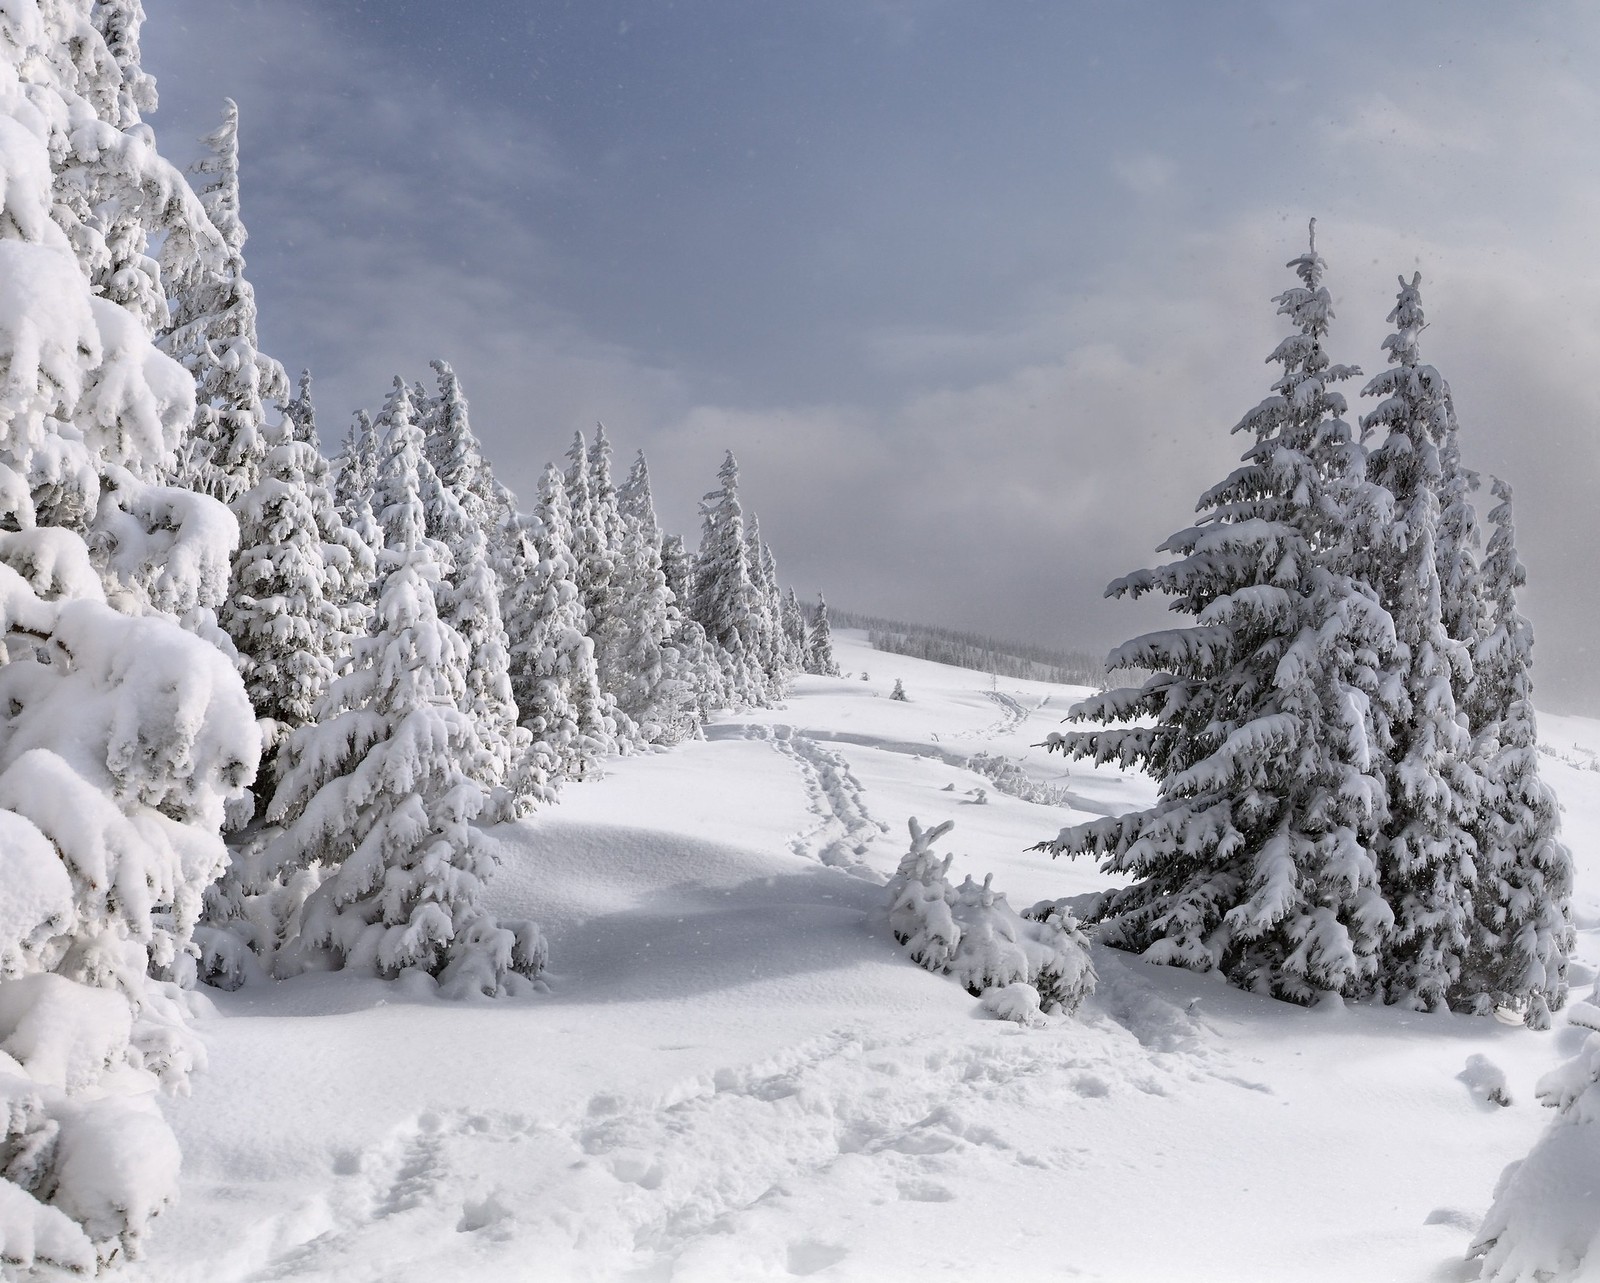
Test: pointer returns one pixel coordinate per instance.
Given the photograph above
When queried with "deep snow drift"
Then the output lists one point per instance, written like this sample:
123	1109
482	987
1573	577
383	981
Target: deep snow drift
736	1074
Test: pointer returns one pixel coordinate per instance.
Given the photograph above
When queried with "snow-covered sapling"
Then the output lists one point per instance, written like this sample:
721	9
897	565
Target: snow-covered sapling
920	898
972	933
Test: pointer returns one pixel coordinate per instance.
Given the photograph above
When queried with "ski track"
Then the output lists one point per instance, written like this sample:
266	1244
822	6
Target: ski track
844	828
730	1174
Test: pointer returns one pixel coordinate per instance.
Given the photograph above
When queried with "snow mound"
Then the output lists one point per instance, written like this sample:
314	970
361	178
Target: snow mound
1018	1002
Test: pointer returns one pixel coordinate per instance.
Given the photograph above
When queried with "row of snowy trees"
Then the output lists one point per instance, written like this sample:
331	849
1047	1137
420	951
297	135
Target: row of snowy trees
211	629
450	659
423	656
1344	736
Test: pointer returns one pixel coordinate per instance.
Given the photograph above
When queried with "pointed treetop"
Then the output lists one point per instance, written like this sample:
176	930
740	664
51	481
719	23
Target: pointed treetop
399	483
220	196
301	413
1310	265
1408	320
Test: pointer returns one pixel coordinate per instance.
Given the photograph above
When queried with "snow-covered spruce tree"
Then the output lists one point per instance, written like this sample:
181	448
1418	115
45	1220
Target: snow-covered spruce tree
766	613
122	736
354	475
553	676
301	412
1255	859
1461	594
282	613
213	335
380	790
819	647
460	517
348	557
700	657
1425	848
299	580
585	538
795	641
125	275
723	596
1524	930
677	566
456	454
657	693
597	538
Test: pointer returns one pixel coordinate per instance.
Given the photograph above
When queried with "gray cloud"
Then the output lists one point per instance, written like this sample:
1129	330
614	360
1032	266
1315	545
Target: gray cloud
976	300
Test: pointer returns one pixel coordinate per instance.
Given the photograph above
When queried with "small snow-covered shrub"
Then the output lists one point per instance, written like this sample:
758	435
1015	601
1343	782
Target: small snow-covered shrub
1547	1206
1009	778
972	933
920	901
899	692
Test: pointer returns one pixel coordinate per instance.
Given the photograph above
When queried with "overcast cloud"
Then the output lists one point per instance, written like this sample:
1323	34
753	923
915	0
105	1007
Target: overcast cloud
975	292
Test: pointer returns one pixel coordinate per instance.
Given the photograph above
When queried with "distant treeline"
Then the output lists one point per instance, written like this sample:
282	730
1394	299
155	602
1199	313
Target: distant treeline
973	650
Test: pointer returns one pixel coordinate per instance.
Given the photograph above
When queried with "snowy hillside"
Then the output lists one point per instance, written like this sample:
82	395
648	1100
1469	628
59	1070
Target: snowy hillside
736	1074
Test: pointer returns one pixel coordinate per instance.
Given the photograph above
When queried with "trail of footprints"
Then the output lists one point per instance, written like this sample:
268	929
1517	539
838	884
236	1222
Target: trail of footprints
1013	714
844	827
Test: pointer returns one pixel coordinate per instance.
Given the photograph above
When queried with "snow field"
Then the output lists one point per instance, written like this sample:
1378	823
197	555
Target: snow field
735	1074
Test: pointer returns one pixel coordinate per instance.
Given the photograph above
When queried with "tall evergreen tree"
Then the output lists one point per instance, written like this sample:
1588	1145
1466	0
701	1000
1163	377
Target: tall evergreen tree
1255	859
795	642
381	790
456	454
123	738
283	613
677	564
766	612
698	652
1426	850
301	411
354	476
460	519
1461	601
819	647
553	673
723	598
657	692
213	335
1524	931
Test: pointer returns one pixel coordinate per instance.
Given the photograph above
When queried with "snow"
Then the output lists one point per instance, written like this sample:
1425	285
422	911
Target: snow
735	1073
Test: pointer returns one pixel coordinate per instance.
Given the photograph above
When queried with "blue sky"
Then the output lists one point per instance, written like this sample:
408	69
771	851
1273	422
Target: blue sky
976	291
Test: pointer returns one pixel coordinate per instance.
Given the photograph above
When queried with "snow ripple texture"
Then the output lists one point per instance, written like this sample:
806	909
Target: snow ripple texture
762	1170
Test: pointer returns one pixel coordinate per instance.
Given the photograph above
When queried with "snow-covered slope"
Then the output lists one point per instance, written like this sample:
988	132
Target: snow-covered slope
736	1075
